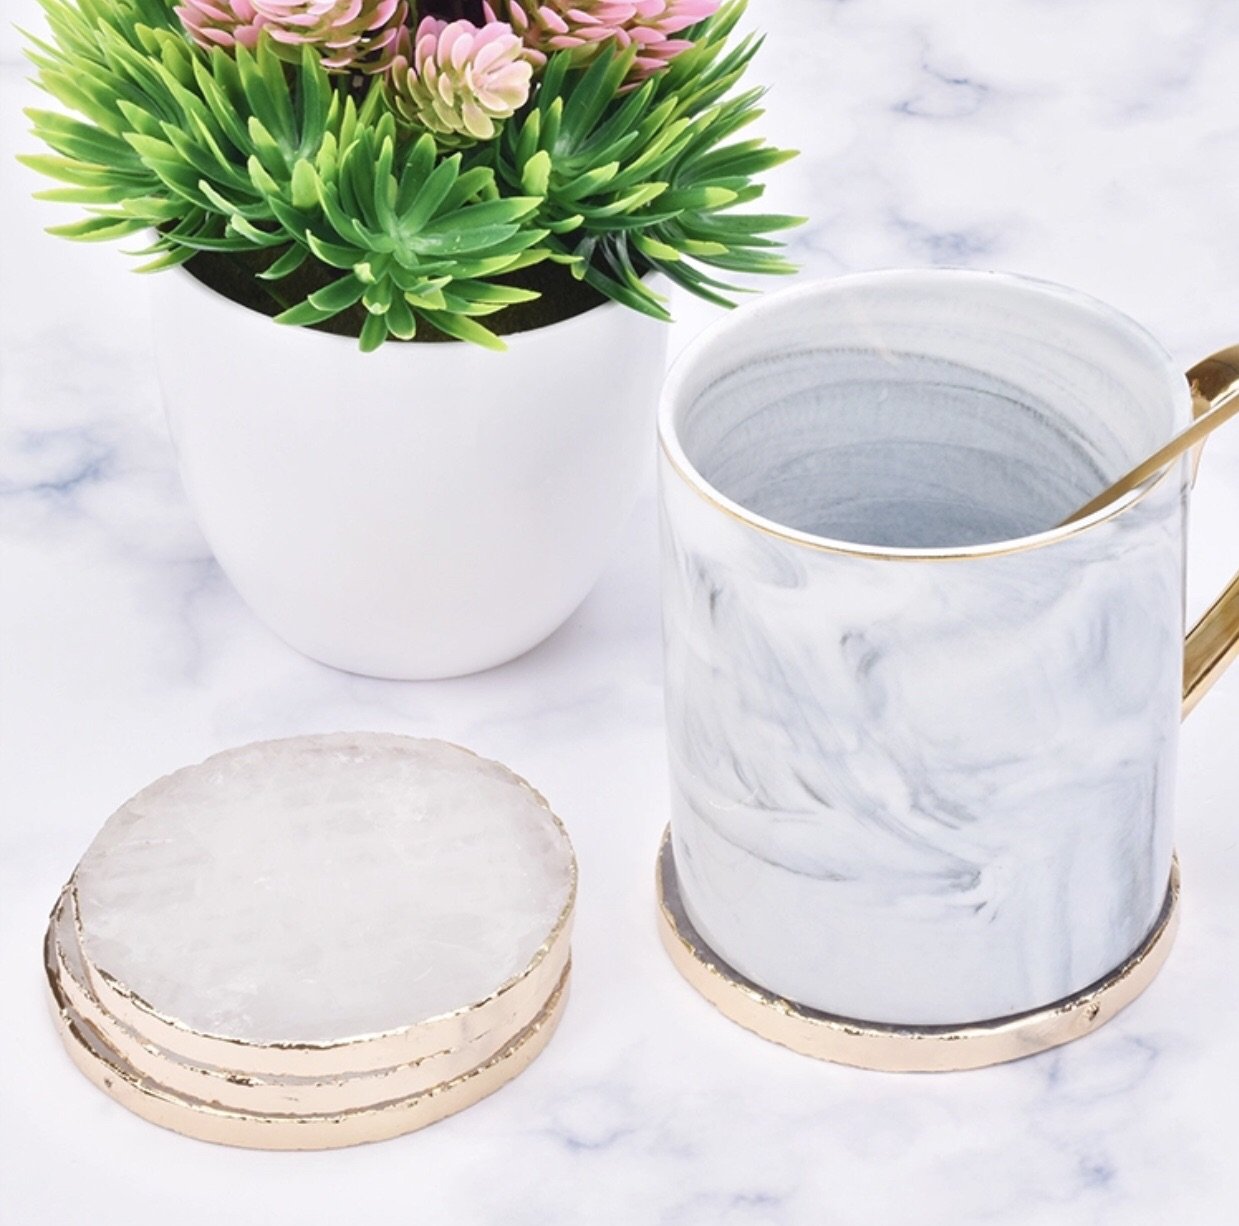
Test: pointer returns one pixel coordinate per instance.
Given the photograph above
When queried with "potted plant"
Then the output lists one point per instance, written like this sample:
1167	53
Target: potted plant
474	177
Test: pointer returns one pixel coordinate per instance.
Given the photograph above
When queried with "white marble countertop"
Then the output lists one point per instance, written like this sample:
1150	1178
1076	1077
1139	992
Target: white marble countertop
1096	144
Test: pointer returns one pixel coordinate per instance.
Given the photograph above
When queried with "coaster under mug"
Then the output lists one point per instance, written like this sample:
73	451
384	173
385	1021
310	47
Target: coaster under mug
903	1049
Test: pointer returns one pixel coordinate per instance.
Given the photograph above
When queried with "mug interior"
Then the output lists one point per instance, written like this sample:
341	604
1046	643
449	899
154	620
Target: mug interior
920	410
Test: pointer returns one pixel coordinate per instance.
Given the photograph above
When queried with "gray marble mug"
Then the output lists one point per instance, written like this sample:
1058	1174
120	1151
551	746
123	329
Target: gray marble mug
922	740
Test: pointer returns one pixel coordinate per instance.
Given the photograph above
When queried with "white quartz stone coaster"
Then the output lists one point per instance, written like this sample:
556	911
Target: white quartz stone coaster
324	888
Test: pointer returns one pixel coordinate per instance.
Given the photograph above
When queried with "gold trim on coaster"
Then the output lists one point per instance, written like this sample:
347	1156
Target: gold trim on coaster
890	1048
510	1006
514	1002
272	1094
210	1122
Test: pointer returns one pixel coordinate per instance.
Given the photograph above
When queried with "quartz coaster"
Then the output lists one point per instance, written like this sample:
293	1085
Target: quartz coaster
209	1121
256	1092
311	928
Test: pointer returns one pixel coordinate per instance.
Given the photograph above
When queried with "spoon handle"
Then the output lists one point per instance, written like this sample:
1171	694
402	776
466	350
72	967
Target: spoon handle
1215	387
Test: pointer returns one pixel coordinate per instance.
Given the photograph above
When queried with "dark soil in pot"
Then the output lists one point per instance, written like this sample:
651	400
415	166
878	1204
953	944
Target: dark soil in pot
234	275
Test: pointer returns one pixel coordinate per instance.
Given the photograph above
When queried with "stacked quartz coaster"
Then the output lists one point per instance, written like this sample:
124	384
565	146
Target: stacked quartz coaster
315	942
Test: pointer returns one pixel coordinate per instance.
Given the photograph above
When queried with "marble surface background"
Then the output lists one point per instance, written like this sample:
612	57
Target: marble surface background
1094	143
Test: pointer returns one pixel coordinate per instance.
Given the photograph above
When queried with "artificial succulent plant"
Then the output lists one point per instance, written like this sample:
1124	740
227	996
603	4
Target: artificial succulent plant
408	166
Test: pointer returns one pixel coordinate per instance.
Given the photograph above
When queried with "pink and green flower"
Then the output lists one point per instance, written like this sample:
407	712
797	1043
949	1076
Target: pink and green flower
584	27
349	35
458	80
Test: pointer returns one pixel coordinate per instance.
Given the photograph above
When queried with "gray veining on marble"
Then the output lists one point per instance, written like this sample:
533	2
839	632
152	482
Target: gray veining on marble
923	793
906	789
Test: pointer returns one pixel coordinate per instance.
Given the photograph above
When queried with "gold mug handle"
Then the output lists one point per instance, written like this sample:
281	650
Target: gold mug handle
1213	642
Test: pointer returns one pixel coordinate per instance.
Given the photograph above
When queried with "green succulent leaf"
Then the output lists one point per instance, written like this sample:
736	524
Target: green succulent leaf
261	154
652	179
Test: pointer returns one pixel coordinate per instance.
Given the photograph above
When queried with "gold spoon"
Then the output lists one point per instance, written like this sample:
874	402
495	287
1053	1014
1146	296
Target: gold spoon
1213	403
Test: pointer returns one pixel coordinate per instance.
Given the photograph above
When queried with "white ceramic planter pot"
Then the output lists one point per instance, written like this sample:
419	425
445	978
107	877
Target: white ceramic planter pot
423	511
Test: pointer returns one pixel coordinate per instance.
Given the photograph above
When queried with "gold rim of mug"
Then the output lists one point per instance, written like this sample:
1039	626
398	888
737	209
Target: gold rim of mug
673	452
210	1122
275	1095
517	999
890	1048
964	553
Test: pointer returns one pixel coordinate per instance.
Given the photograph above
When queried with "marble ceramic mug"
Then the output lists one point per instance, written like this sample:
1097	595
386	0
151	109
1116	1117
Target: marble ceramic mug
922	740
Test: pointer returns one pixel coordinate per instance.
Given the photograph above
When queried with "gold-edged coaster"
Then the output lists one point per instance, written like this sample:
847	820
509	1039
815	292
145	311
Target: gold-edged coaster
307	844
277	1094
209	1121
889	1048
510	1005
